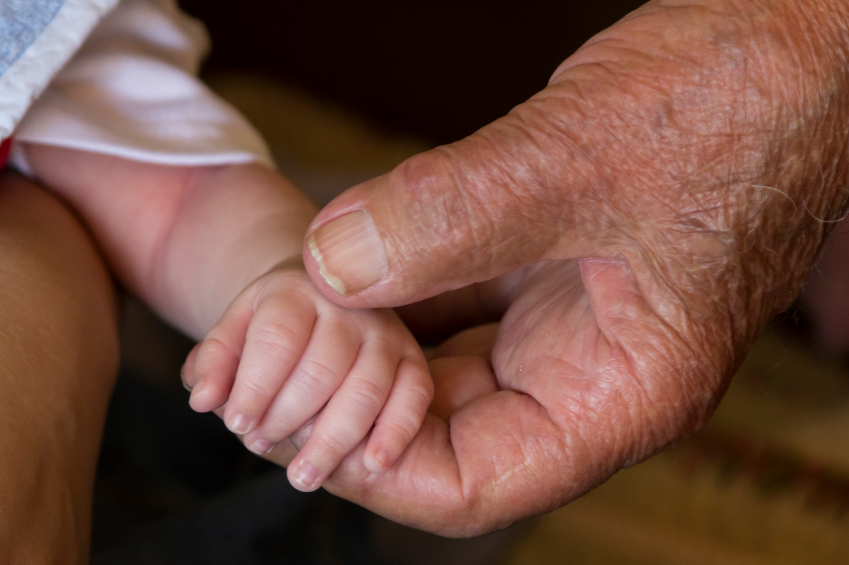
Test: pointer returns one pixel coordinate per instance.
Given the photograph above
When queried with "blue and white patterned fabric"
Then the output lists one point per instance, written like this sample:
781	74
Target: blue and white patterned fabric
123	82
37	37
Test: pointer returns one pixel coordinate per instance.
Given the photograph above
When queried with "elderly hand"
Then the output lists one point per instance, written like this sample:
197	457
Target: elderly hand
655	205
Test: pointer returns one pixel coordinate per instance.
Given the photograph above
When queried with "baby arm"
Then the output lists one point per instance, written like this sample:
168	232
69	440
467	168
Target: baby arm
193	241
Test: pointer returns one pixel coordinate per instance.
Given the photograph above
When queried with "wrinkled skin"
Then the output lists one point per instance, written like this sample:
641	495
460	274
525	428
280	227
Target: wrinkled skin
654	207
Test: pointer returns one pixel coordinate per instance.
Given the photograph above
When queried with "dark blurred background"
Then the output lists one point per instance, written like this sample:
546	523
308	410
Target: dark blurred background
439	69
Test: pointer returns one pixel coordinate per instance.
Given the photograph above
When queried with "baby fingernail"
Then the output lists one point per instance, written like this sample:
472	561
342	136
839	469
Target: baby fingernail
183	379
382	458
305	478
261	446
350	253
197	393
240	424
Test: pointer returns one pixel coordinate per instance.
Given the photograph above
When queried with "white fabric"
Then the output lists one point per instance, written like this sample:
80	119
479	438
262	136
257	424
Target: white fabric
131	91
30	73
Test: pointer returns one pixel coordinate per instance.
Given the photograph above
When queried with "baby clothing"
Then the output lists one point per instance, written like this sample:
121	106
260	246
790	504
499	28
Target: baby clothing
37	38
119	80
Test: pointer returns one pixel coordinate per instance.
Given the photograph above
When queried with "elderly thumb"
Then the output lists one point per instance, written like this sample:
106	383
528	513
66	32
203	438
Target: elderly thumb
498	200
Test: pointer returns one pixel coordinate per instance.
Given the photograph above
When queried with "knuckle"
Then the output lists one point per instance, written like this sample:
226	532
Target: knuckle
313	377
480	198
212	346
209	357
278	427
419	396
365	396
404	428
428	176
288	417
337	442
251	389
431	186
404	422
277	340
348	327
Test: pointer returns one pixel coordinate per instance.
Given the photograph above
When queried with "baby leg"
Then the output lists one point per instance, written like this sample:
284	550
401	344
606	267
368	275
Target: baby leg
58	361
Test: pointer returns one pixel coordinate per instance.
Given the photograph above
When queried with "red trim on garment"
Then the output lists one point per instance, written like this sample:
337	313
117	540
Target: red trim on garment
4	151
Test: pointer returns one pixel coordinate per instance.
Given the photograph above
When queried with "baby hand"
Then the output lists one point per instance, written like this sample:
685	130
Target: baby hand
282	352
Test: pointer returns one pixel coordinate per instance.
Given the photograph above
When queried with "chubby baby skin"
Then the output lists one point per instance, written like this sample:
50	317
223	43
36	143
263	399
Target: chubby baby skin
216	252
282	353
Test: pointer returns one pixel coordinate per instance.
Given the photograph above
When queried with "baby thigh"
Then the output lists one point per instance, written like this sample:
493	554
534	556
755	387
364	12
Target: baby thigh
58	361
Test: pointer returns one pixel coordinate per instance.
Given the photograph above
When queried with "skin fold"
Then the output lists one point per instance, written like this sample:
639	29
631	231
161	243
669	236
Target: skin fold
637	222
